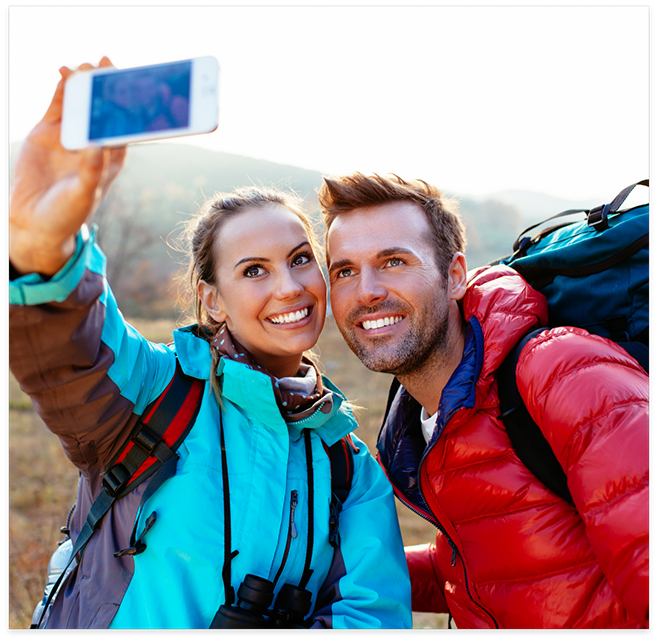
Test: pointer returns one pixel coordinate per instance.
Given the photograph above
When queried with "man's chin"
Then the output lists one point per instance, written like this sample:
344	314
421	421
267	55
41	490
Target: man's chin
382	363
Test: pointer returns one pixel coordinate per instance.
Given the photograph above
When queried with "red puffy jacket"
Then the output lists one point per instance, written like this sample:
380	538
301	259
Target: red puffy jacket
509	553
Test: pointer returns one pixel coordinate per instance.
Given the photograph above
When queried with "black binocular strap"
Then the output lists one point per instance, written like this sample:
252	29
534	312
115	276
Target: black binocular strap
306	574
229	555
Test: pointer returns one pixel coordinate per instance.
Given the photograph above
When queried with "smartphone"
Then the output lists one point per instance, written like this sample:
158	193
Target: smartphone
111	107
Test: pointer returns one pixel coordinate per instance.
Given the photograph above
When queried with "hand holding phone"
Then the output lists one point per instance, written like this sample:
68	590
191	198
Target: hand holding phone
108	106
55	190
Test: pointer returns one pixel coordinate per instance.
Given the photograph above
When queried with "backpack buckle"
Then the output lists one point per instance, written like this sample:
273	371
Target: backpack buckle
138	548
116	478
598	217
334	534
521	246
147	440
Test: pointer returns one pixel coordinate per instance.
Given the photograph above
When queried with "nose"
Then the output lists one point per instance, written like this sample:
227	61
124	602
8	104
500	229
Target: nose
287	285
370	289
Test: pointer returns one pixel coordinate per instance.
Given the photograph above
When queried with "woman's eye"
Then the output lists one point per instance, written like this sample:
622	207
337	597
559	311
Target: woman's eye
254	271
301	259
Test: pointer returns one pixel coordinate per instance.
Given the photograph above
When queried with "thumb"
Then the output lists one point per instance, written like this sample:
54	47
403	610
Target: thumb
82	190
90	169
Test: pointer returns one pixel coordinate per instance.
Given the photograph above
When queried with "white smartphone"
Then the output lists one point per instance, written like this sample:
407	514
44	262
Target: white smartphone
110	107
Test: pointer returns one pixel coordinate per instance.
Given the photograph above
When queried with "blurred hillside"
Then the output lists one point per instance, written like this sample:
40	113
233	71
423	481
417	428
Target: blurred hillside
163	185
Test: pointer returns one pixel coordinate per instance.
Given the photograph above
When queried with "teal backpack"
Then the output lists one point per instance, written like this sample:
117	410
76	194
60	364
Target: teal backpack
595	275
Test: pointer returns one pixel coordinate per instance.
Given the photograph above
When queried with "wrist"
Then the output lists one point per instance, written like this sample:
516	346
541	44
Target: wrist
28	256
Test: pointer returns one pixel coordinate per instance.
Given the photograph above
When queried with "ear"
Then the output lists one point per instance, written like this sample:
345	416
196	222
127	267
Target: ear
211	301
457	276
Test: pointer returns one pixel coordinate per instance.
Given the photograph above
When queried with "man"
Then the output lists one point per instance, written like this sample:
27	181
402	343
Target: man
508	553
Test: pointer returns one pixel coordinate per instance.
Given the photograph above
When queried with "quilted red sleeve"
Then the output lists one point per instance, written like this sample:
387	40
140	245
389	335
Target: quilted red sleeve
426	587
591	400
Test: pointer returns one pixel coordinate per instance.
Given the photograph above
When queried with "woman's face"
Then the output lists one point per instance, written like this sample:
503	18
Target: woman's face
269	287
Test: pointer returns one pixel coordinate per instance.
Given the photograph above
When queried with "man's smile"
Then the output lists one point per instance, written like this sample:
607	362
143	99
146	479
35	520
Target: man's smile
377	323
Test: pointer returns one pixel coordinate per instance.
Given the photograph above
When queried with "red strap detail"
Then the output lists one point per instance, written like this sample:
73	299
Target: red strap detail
175	428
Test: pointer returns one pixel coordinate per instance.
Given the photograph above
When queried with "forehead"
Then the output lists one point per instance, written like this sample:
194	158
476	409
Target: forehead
369	230
259	231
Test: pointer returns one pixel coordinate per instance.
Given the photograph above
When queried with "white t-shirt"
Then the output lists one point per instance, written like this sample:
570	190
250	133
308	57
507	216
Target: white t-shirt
427	423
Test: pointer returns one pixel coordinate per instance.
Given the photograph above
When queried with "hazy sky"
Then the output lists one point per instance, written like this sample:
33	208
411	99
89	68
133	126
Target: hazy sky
473	99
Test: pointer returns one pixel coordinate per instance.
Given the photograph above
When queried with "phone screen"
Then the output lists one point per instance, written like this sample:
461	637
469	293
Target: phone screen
140	100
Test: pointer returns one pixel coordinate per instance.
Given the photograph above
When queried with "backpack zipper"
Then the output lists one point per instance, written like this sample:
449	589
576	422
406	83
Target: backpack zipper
292	532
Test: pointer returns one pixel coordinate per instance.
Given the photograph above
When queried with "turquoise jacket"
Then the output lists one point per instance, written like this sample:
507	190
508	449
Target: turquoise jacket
90	375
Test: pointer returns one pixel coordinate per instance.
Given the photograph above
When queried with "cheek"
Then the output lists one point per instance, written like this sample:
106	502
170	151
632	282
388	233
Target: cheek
337	296
316	285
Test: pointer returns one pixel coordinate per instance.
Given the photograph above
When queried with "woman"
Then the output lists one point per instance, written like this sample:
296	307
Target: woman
261	304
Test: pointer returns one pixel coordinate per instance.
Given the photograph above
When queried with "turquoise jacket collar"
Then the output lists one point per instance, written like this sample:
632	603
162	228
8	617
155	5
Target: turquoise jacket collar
252	391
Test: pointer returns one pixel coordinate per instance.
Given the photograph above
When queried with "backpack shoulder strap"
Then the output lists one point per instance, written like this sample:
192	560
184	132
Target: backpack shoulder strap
341	459
527	438
152	446
160	430
169	418
392	391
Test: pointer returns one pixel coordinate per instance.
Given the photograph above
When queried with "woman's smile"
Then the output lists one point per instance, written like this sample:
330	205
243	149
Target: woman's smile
290	318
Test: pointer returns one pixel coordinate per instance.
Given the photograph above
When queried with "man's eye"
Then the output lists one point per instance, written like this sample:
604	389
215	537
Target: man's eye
394	262
343	273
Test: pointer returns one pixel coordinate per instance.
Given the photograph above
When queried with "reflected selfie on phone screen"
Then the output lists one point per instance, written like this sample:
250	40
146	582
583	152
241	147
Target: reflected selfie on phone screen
136	101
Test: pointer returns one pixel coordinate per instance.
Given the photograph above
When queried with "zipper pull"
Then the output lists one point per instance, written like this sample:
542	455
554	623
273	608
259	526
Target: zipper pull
293	505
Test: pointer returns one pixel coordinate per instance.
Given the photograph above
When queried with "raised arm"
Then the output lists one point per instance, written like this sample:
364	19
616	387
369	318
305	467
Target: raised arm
88	373
54	191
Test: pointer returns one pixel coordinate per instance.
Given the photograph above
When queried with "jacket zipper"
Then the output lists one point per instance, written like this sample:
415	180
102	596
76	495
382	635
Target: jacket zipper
292	533
455	550
431	518
308	418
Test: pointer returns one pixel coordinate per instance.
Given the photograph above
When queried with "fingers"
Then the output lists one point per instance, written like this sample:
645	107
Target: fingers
90	172
114	158
98	168
54	111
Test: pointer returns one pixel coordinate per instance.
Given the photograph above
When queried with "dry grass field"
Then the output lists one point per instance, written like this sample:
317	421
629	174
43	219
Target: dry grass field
42	482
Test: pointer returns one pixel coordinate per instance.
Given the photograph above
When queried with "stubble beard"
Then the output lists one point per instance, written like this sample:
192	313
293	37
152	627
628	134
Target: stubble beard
424	342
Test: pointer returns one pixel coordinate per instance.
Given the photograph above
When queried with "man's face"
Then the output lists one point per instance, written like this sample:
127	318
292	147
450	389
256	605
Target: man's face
388	297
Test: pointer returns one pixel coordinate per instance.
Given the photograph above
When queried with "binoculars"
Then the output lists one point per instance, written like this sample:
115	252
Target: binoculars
255	596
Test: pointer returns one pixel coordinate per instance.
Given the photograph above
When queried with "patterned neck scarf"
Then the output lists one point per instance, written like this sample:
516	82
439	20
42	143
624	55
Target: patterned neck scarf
297	396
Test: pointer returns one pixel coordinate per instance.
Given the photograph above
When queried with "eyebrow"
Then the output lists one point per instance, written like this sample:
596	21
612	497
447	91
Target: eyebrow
260	259
384	253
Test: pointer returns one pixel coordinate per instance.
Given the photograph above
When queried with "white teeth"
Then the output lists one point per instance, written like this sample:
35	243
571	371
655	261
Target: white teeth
381	322
292	317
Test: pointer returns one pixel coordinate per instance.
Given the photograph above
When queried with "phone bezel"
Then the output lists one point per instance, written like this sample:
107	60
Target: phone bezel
77	104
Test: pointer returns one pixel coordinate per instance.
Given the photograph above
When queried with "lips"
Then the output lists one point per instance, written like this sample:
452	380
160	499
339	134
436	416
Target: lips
290	317
386	321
